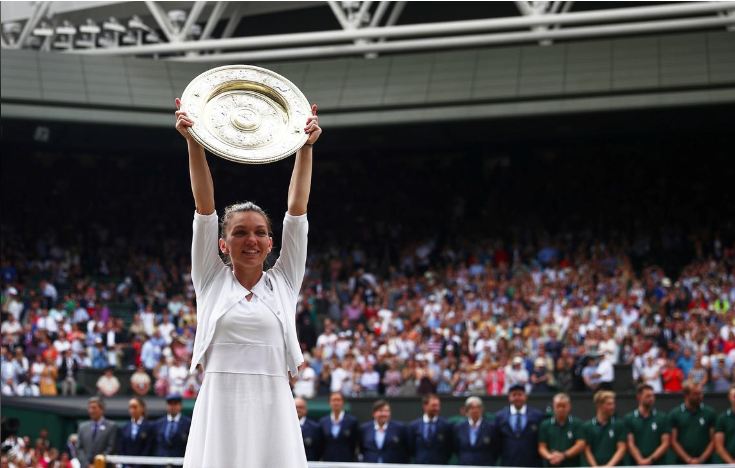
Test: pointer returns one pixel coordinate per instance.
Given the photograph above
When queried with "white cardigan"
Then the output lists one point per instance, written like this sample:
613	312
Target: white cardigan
217	289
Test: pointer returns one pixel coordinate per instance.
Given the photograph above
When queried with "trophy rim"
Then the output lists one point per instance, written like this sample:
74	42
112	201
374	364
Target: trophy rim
300	100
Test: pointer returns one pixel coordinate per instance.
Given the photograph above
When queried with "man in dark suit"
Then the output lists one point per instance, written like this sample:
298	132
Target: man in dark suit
311	433
96	437
430	436
515	432
383	440
172	430
68	373
137	437
473	437
340	432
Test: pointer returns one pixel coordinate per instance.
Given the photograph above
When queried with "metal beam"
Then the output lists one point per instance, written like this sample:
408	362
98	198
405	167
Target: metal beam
340	15
464	41
379	13
364	7
396	13
232	22
214	17
438	29
191	18
38	13
163	22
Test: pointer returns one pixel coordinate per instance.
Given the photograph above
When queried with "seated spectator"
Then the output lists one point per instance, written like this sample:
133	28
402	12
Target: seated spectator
140	382
108	385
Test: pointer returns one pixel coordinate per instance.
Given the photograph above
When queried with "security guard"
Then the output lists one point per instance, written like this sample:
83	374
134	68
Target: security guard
648	430
560	438
693	427
604	434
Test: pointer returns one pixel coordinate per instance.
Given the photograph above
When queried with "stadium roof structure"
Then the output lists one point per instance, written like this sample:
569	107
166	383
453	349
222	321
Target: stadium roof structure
221	31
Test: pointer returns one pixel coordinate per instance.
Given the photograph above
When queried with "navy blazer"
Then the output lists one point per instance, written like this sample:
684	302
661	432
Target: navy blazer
342	448
521	449
483	452
395	444
313	440
143	443
176	445
435	451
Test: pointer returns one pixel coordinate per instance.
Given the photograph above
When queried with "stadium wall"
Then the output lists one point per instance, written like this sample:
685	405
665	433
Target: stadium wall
622	73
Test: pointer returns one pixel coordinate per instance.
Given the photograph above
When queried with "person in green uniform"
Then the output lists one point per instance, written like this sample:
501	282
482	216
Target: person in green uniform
692	427
604	434
648	429
560	438
725	431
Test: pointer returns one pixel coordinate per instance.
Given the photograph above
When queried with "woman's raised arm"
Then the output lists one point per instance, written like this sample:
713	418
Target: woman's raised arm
300	186
202	186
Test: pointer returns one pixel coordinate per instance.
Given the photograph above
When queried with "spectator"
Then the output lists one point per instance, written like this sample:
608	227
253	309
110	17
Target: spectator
651	374
516	374
67	373
140	382
540	377
24	387
672	377
47	381
108	385
721	373
495	380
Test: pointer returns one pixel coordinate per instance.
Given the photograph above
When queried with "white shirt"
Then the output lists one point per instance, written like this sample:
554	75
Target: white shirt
304	386
606	371
428	420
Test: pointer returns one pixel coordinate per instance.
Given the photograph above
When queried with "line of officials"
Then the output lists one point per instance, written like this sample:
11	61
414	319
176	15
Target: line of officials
520	435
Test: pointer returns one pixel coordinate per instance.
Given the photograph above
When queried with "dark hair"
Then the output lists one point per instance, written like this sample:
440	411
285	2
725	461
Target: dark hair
141	402
642	388
380	404
428	397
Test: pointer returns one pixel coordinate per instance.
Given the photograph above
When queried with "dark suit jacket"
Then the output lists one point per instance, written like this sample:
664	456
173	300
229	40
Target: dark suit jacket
143	443
176	446
517	449
343	447
395	444
313	440
483	452
64	369
90	445
435	451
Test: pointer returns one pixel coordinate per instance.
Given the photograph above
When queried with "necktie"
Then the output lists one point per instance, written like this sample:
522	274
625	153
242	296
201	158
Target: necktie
134	430
335	429
169	430
427	430
379	438
517	425
94	431
473	433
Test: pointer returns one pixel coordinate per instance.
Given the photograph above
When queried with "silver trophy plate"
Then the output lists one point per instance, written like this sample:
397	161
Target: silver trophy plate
246	114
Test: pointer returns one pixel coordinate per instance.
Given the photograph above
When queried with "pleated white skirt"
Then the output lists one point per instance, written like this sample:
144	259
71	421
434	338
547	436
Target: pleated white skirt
244	420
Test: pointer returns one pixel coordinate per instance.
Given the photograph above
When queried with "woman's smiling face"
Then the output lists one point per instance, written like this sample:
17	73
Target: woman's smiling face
247	241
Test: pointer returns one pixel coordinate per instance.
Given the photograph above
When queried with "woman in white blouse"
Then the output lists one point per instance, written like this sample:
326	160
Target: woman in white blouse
246	330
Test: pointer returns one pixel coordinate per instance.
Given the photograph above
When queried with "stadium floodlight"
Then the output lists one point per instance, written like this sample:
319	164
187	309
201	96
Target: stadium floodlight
44	33
11	31
152	38
88	35
65	36
177	18
137	31
111	31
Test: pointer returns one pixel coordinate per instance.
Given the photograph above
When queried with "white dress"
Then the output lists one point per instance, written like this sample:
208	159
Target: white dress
246	387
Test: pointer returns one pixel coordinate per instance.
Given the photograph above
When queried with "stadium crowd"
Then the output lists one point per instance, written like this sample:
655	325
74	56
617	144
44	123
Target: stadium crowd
511	284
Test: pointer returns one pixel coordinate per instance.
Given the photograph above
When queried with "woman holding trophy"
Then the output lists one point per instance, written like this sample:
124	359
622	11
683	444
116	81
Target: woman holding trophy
246	333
